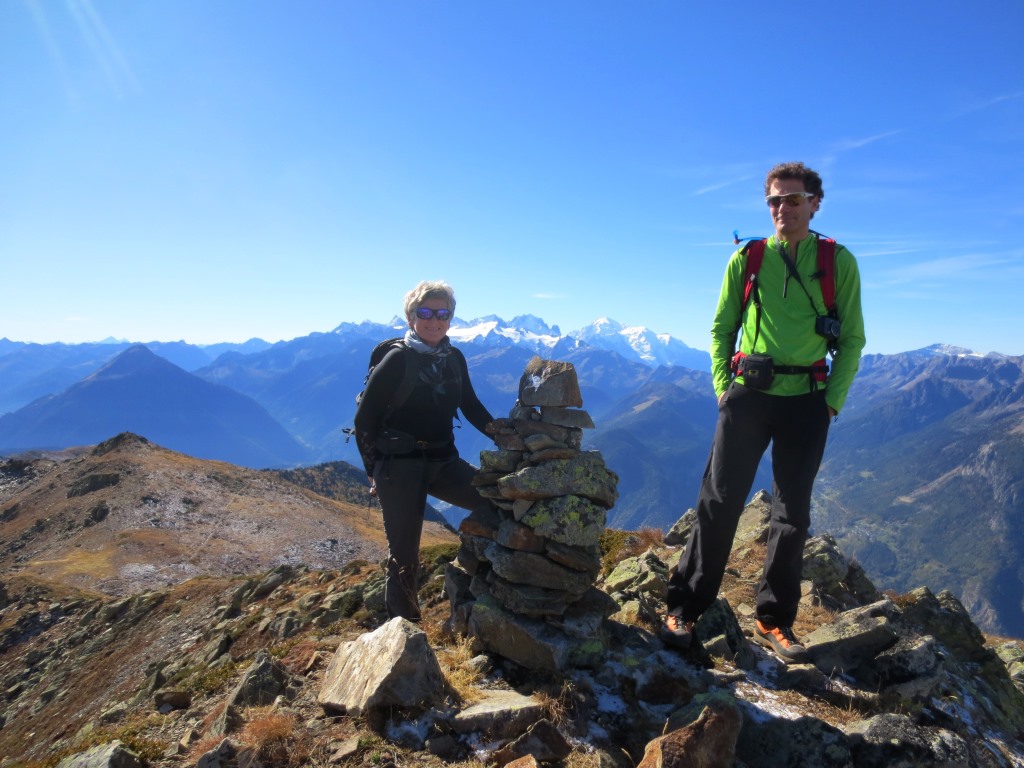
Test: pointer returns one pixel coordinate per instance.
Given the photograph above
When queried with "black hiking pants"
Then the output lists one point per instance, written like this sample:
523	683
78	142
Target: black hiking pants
748	420
402	488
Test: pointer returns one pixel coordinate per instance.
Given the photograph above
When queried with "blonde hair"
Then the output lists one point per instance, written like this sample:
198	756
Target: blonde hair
428	289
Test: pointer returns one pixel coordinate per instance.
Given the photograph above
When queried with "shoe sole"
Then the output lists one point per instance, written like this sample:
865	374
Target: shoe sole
674	640
767	643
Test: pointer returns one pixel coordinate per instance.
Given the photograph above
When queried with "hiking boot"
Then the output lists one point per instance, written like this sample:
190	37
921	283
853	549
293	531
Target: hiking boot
781	640
676	632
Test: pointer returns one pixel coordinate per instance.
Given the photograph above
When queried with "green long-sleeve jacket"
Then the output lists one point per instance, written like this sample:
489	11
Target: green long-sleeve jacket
787	320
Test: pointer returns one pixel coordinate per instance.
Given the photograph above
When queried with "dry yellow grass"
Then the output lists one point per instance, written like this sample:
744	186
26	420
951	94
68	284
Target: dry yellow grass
454	658
648	538
617	545
556	707
273	736
93	564
584	759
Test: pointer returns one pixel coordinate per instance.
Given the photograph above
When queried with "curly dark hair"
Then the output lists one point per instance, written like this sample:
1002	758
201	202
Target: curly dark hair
810	178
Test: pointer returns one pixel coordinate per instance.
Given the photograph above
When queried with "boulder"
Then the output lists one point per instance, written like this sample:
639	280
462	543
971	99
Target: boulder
536	570
393	666
754	520
910	658
499	714
564	436
566	417
501	461
805	741
542	741
262	683
853	639
719	632
112	755
531	643
228	754
645	573
708	742
169	699
527	600
573	520
513	535
895	740
549	382
585	475
680	530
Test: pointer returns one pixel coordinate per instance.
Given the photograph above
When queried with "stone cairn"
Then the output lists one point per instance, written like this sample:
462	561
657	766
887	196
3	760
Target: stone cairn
523	583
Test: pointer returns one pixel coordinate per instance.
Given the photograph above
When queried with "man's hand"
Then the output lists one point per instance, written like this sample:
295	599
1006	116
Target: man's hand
832	412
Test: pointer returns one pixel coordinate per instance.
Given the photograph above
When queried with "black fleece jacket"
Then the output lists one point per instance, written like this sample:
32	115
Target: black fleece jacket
441	389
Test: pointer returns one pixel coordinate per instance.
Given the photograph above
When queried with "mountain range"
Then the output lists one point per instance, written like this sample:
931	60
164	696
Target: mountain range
925	478
142	392
921	481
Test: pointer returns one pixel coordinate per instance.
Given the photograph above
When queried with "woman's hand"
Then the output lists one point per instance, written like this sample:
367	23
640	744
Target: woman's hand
373	485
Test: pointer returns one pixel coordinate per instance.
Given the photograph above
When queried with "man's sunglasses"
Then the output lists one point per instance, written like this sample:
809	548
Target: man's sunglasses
425	313
793	198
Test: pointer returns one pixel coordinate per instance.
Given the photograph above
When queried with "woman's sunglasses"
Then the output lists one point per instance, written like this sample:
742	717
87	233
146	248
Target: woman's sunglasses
425	313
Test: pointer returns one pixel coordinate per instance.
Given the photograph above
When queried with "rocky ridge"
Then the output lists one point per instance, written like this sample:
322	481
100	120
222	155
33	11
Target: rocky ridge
128	515
300	667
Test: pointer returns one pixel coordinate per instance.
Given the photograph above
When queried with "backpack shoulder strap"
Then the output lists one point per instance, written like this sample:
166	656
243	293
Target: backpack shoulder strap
455	363
380	352
827	271
409	378
754	251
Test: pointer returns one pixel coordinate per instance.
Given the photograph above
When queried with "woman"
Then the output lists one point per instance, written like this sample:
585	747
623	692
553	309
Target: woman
408	448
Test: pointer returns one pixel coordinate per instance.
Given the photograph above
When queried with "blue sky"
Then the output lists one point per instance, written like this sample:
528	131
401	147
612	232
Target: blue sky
216	171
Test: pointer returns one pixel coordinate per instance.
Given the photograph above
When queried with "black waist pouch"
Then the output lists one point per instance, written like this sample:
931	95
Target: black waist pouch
391	442
757	371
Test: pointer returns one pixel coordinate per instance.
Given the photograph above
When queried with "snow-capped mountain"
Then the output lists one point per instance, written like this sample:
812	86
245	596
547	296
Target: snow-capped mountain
532	333
632	342
649	347
949	350
523	331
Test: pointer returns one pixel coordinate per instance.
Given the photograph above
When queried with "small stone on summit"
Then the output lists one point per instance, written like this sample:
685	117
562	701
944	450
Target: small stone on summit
550	382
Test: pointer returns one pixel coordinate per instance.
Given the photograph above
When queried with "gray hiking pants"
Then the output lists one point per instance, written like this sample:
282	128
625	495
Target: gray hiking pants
402	489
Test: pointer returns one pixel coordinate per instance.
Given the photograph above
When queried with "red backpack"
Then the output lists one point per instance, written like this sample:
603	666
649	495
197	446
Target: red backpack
754	251
825	274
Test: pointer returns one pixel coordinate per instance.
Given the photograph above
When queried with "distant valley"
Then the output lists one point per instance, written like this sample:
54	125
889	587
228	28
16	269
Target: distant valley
921	482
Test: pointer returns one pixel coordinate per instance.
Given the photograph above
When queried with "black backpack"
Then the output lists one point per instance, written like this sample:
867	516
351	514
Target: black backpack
404	389
408	382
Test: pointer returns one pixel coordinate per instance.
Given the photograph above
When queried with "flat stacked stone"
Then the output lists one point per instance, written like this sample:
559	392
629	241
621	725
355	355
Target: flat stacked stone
523	584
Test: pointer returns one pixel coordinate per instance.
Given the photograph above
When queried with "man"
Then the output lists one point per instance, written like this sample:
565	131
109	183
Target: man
787	401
